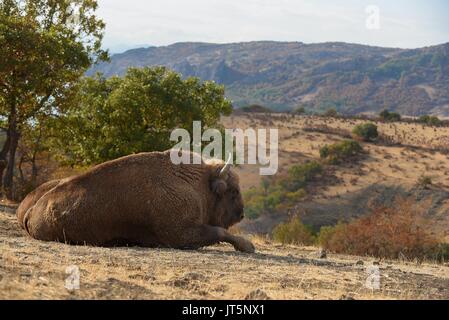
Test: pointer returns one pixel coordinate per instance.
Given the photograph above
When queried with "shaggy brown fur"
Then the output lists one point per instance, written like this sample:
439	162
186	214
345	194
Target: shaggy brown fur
141	199
32	198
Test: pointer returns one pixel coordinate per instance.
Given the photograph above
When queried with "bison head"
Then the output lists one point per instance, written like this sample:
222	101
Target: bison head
228	207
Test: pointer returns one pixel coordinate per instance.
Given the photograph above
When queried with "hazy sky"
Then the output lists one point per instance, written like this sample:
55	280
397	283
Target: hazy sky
402	23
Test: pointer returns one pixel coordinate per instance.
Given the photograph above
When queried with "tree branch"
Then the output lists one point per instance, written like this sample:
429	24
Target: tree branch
36	109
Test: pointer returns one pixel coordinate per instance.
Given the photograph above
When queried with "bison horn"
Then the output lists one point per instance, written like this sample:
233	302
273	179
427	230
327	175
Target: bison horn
226	168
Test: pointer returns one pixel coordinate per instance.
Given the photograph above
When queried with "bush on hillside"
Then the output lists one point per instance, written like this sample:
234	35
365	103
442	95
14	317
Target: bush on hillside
430	120
299	110
331	112
366	131
326	234
424	181
280	194
294	232
255	108
400	231
294	196
341	151
259	201
300	175
390	116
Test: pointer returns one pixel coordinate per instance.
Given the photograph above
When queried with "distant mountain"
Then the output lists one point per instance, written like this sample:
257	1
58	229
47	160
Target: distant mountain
283	75
120	47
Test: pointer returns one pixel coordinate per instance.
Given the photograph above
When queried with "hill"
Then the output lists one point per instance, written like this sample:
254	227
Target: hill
389	169
283	75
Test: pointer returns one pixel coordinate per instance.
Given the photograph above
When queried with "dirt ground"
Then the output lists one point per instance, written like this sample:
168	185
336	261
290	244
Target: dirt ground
31	269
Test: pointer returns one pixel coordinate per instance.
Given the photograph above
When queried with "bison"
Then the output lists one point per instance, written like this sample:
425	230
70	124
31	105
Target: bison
143	200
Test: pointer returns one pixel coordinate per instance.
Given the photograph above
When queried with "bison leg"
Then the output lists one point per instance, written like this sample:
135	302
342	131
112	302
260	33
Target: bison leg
205	235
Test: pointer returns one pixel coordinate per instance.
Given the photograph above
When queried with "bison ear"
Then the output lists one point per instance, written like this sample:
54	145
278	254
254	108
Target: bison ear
219	186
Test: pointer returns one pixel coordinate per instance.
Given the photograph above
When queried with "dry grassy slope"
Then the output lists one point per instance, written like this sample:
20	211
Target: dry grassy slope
31	269
386	170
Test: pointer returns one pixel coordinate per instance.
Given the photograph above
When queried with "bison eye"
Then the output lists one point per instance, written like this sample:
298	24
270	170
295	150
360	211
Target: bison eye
235	192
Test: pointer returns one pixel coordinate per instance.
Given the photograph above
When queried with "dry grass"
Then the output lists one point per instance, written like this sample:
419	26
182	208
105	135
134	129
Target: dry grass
32	269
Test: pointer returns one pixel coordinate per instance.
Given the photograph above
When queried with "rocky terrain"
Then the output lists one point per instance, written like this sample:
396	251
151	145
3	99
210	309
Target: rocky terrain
283	75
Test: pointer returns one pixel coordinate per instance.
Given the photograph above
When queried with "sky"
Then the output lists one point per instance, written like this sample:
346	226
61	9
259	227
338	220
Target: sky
388	23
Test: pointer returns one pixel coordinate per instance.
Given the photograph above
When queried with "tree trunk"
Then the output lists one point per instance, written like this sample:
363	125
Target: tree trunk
19	167
34	171
3	162
14	136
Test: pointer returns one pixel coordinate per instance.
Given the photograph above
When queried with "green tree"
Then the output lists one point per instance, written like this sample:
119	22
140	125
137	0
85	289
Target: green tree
389	116
45	47
114	117
430	120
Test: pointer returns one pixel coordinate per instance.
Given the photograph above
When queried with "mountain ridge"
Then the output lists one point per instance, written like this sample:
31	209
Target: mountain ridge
353	78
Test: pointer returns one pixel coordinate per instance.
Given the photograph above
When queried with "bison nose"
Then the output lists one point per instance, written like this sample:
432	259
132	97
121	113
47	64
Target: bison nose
242	215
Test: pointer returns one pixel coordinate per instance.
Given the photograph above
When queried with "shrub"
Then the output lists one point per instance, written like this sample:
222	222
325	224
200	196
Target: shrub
325	236
384	114
255	108
294	232
389	116
299	110
441	253
434	121
430	120
332	112
395	232
294	196
425	181
424	119
299	175
366	131
276	195
324	152
254	205
338	152
268	198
